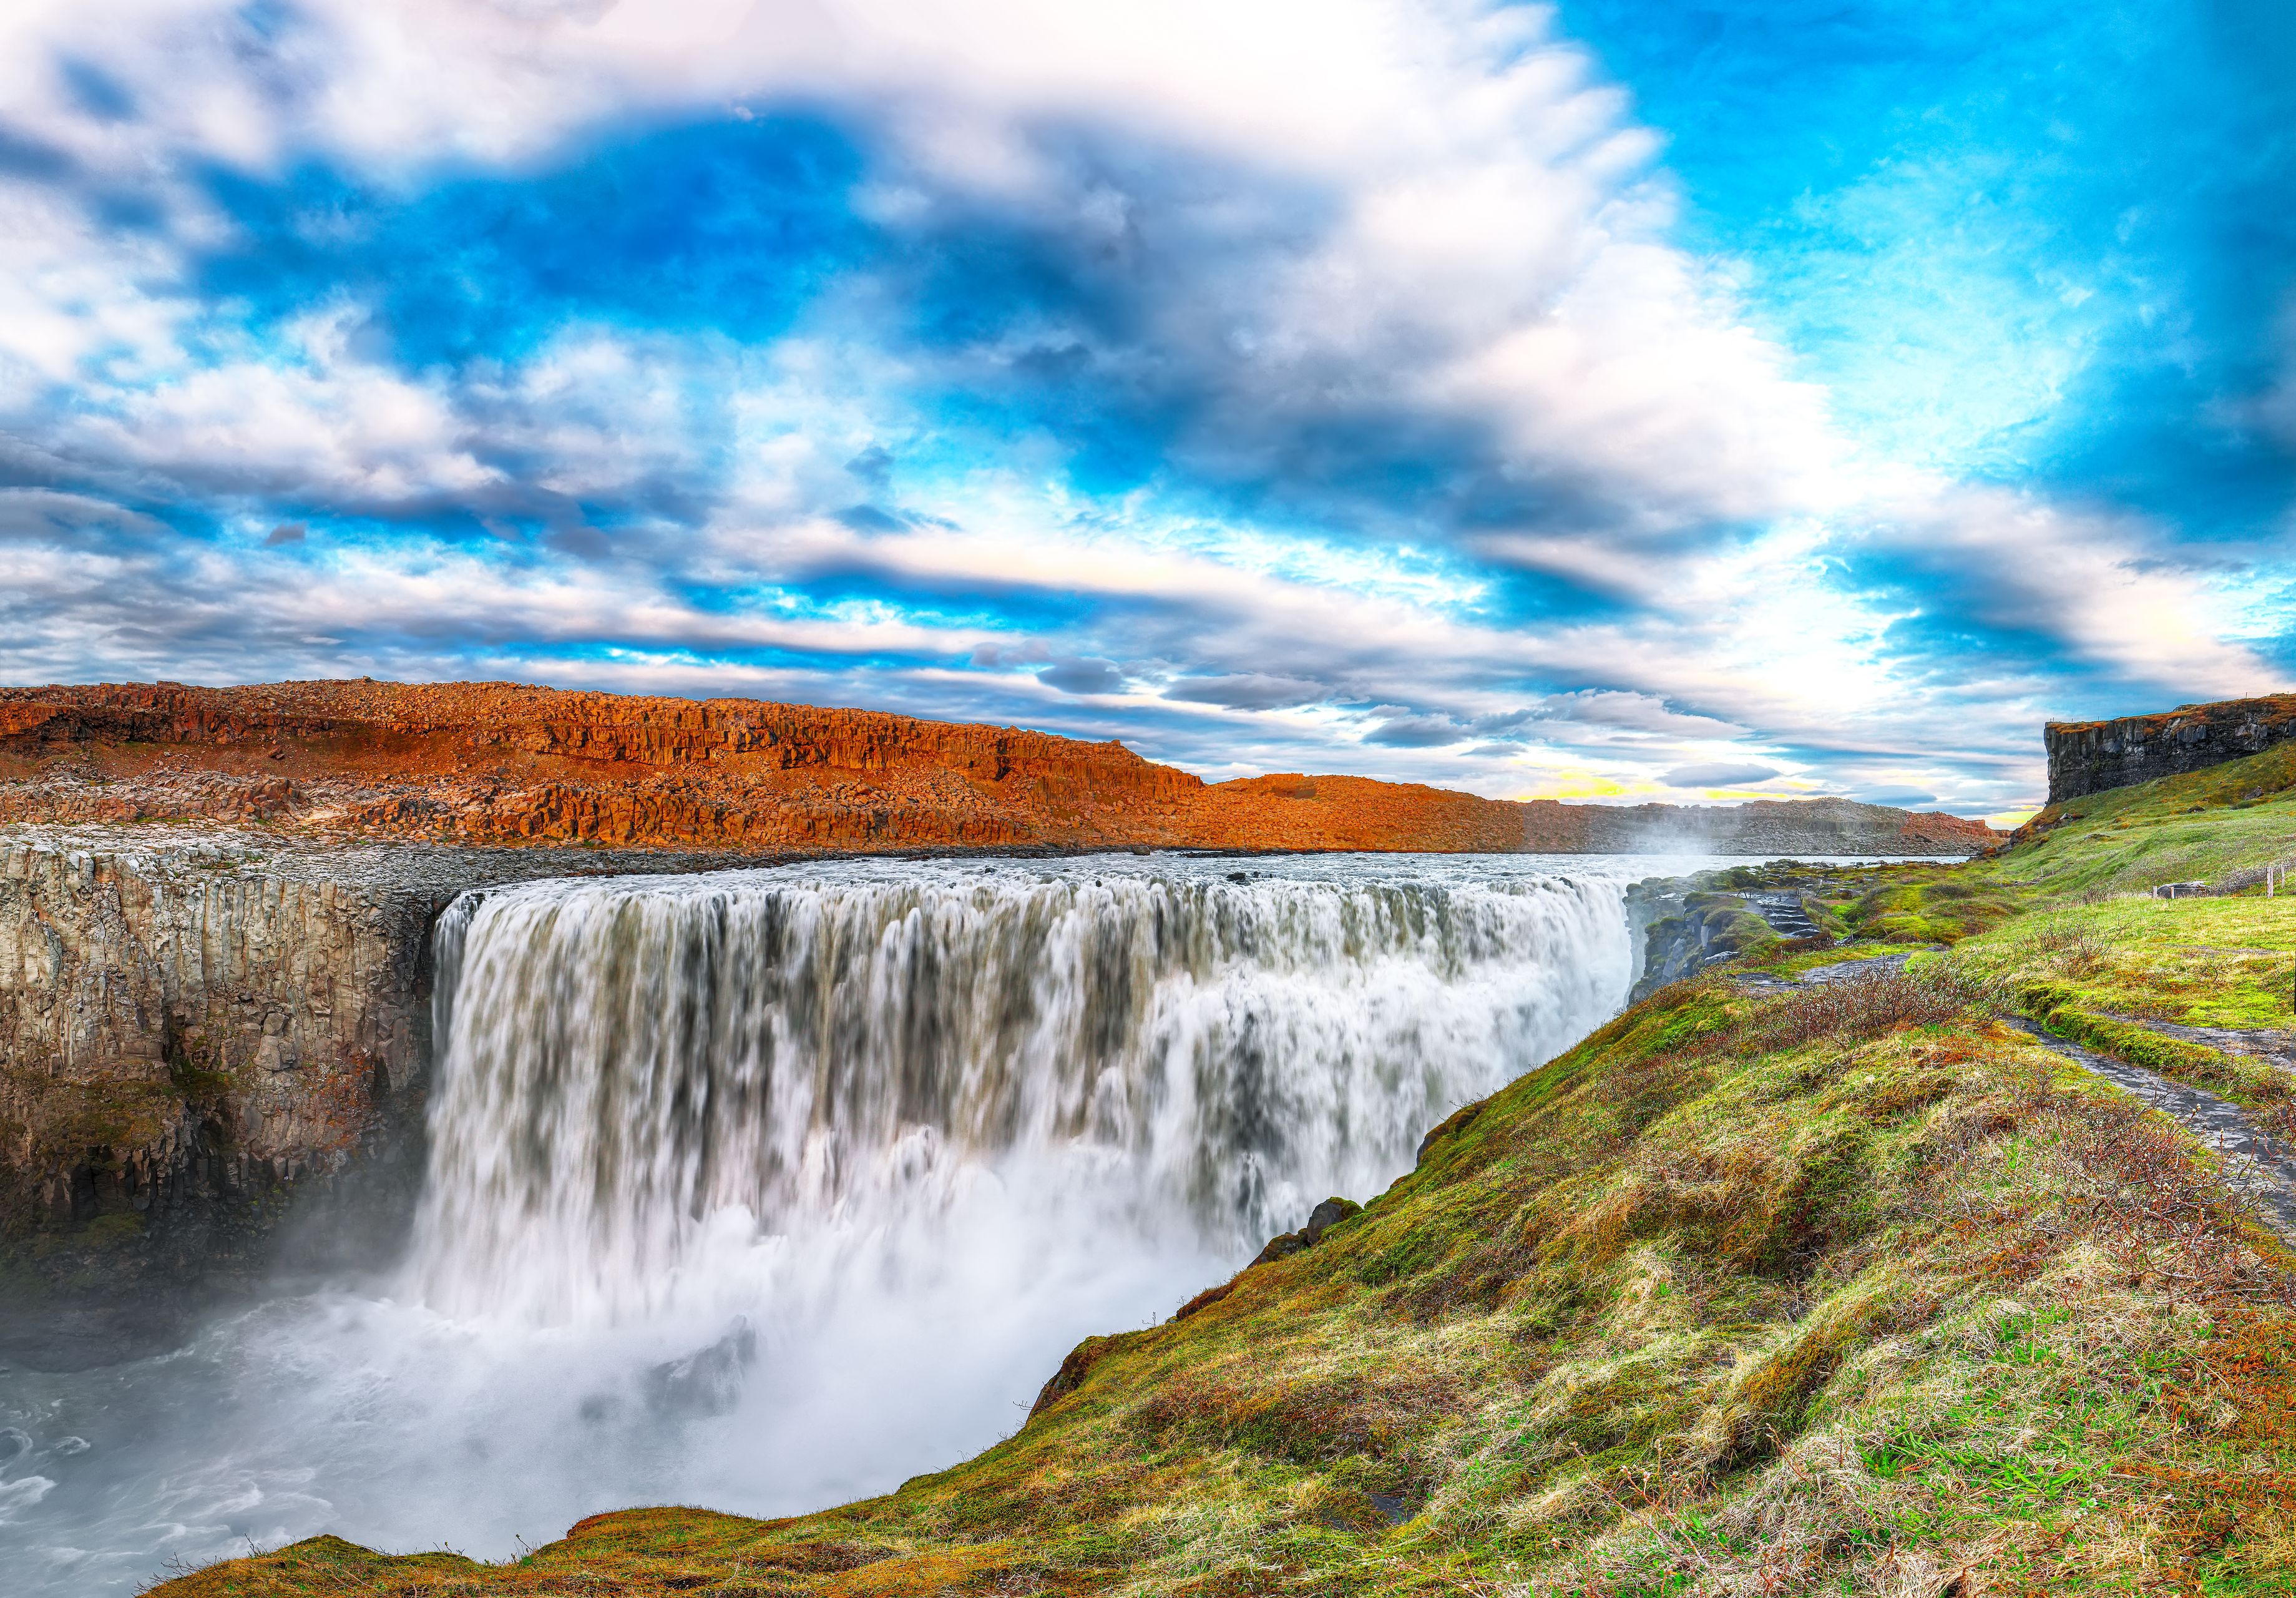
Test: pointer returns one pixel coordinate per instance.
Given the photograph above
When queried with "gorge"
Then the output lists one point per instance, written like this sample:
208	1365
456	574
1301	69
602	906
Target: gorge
216	908
770	1187
394	1081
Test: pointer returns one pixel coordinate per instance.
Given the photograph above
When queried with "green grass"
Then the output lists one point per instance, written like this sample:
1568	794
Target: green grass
2201	826
1827	1291
2095	973
1944	908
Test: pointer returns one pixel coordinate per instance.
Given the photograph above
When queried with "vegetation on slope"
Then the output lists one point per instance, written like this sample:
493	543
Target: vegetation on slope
1842	1288
2219	824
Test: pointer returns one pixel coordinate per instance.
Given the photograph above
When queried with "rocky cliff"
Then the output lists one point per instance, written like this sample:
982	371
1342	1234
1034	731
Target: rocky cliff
504	763
213	1051
2089	757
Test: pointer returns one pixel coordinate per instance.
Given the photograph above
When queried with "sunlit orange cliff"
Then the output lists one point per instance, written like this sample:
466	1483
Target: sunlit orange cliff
506	763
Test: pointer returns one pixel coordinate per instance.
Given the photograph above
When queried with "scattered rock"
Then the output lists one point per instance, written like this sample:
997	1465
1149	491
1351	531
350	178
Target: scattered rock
1085	1355
1457	1121
1325	1215
1282	1246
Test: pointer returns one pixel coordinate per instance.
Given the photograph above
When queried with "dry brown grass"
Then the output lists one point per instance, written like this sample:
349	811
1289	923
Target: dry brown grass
1854	1011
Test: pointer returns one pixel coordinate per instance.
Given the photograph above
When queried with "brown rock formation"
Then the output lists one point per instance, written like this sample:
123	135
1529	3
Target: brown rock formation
2089	757
180	1043
201	1032
505	763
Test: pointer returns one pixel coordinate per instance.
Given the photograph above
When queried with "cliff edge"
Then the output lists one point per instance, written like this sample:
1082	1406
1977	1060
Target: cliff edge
507	764
2092	757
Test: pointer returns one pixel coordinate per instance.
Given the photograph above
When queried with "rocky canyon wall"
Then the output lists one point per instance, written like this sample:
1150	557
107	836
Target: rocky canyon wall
2089	757
505	763
216	908
214	1050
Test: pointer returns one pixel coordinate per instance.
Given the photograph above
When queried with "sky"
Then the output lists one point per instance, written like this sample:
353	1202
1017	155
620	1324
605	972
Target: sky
1628	399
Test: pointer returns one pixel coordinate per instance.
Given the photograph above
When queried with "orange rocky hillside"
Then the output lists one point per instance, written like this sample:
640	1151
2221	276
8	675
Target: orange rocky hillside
507	764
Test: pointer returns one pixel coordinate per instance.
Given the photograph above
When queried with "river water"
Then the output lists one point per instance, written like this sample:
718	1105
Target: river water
767	1189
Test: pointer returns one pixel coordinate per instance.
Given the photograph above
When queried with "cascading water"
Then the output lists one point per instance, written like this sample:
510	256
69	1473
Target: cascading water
766	1190
635	1073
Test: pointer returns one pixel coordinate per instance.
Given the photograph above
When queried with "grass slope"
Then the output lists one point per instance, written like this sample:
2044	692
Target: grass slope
1846	1290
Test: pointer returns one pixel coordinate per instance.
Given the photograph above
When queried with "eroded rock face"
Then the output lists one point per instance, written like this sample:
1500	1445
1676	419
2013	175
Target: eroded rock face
185	1039
214	1050
500	763
2090	757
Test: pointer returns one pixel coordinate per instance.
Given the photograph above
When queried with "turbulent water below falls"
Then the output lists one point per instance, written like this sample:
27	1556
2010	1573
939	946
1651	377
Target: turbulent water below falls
767	1189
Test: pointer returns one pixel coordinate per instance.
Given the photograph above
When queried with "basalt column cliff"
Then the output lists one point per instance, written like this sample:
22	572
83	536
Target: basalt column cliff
2090	757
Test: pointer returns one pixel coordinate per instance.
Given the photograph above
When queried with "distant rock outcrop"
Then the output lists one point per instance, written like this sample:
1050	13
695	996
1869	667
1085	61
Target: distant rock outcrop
2089	757
1763	827
507	764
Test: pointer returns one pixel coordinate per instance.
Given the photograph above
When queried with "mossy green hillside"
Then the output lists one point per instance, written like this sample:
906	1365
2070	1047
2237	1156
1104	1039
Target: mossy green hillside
2206	826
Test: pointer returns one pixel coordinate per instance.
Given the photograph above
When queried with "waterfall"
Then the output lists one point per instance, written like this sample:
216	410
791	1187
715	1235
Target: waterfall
769	1189
656	1089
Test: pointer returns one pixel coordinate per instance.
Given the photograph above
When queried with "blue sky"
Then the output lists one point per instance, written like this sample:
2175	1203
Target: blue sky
1673	398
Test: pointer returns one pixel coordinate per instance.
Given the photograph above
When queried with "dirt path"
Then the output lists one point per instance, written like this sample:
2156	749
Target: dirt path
1841	970
2274	1046
2256	1162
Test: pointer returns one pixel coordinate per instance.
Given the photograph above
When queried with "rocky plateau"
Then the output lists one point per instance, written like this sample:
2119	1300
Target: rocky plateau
2094	757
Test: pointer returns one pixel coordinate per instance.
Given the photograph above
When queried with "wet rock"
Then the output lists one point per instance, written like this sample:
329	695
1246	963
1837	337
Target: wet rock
1325	1215
707	1381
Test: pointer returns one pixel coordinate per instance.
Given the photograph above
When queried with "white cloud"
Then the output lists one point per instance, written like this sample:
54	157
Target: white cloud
2108	587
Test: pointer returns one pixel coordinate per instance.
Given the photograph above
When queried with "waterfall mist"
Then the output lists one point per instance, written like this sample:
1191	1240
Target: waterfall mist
767	1189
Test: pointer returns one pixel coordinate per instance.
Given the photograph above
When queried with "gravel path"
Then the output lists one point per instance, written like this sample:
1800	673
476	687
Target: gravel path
2257	1162
1839	970
2274	1046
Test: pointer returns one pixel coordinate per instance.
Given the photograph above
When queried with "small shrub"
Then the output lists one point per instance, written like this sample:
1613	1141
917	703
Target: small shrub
1855	1010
